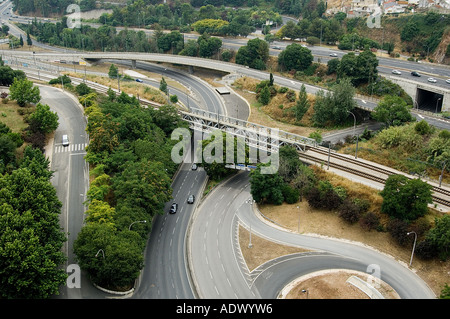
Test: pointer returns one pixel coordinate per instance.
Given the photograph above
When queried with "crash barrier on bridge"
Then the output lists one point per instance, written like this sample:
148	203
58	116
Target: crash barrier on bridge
255	134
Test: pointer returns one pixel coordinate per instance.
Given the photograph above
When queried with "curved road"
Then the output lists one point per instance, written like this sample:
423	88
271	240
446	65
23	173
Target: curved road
219	275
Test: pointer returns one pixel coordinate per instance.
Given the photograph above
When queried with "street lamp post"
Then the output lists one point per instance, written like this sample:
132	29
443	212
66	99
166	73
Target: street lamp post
138	221
414	245
307	292
437	104
250	201
354	133
100	250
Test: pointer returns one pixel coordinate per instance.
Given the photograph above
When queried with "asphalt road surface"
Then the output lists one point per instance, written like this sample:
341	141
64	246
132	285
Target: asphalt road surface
220	275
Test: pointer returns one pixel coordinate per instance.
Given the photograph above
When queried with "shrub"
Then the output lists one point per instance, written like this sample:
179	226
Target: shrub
426	250
83	89
423	128
313	198
349	211
290	194
369	221
283	89
398	229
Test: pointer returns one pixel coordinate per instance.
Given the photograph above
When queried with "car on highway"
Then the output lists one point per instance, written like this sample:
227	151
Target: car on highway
432	80
276	47
396	72
194	167
333	54
414	73
191	199
173	209
448	81
139	80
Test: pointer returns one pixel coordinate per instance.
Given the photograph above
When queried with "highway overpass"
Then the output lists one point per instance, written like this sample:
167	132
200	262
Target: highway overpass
426	96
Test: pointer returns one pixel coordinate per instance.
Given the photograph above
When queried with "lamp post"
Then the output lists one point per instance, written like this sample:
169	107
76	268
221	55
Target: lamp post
298	207
250	201
307	293
414	245
354	122
138	221
100	250
437	104
354	133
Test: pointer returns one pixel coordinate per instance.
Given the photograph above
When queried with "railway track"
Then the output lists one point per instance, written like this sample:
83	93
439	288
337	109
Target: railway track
438	192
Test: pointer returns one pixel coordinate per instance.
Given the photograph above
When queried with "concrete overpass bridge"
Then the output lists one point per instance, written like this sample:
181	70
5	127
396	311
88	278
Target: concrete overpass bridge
427	97
190	62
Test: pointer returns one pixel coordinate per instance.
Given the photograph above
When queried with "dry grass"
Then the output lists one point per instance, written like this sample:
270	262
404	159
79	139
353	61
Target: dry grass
325	223
130	87
272	114
10	116
262	250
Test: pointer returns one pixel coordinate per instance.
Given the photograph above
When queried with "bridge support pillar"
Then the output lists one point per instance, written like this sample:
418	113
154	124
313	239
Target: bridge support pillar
191	69
133	64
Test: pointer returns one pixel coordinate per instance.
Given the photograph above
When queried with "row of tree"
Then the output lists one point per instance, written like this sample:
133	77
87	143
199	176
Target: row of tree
31	239
183	16
130	151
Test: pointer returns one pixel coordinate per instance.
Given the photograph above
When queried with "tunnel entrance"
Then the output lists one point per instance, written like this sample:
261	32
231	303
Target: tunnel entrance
429	101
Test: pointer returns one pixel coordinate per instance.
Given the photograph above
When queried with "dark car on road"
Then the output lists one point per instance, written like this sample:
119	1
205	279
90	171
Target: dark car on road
414	73
173	209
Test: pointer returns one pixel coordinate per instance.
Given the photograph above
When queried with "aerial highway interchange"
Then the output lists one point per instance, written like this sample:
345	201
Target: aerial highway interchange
193	253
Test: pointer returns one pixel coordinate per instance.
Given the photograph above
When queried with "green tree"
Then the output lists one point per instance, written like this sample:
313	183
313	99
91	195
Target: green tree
100	212
208	46
113	72
334	107
29	41
264	95
445	292
36	162
295	57
266	188
302	105
439	236
24	92
392	111
332	65
215	150
190	48
405	199
111	258
163	85
143	184
409	31
359	69
30	237
7	150
44	119
254	54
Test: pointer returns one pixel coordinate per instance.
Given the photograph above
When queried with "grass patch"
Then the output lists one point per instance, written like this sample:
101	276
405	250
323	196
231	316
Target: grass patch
9	115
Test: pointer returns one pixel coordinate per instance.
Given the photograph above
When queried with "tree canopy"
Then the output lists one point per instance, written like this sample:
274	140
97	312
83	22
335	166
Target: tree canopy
295	57
254	54
405	199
